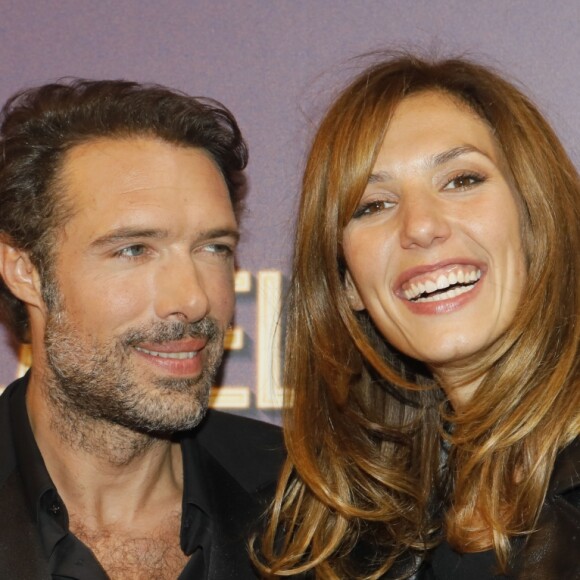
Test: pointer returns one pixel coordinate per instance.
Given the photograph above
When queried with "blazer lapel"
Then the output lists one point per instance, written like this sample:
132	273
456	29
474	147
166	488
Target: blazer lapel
235	516
553	550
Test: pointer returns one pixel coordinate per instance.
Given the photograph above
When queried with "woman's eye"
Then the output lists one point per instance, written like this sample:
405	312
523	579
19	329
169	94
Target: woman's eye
373	207
464	181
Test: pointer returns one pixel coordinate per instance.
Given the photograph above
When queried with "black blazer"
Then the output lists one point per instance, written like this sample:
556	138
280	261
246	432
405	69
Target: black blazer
241	460
552	551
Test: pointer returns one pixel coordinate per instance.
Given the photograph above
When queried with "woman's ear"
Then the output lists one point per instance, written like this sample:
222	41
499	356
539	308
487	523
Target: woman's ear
20	275
352	294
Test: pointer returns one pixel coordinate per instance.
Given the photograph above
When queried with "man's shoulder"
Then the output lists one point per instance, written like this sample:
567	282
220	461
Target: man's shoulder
219	426
252	450
7	458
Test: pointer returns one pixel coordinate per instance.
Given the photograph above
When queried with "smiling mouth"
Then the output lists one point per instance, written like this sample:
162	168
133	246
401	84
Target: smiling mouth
442	287
170	355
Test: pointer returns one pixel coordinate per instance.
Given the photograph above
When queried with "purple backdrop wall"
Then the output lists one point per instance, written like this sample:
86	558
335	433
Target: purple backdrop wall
274	63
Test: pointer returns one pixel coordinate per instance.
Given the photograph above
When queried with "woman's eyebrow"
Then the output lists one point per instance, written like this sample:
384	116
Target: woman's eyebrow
432	162
453	153
379	177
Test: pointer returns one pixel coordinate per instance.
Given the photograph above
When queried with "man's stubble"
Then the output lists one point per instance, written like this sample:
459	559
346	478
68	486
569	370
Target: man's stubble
102	403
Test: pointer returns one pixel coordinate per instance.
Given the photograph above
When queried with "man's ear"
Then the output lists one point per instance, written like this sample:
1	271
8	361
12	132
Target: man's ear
20	275
352	294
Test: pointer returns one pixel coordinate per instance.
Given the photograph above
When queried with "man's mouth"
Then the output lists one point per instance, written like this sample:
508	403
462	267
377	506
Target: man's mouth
441	285
171	355
175	349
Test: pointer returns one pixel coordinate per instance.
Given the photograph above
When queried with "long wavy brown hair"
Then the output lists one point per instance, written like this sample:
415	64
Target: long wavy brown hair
380	468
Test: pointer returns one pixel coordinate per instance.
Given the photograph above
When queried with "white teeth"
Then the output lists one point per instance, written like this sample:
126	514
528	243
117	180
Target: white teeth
446	295
173	355
416	289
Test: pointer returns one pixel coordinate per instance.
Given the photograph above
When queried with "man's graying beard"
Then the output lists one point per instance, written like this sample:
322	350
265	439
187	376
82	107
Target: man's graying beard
96	379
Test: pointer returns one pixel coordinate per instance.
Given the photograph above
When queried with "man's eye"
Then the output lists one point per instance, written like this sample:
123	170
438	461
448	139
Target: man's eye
373	207
135	251
221	249
464	181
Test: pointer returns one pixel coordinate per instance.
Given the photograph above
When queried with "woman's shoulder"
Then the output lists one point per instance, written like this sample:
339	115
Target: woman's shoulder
552	550
565	480
446	564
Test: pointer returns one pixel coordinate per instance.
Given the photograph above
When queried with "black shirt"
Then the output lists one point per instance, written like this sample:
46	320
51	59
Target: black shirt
446	563
70	558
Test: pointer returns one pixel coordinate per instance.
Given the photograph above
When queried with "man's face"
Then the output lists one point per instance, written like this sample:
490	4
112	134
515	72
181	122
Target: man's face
143	275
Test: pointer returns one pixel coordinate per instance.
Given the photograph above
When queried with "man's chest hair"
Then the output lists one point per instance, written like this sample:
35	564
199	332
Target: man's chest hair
135	554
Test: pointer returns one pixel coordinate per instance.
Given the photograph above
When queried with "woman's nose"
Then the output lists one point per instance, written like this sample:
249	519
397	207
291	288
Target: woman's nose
423	221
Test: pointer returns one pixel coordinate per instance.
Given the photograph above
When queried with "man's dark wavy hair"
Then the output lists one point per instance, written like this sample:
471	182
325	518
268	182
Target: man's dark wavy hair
38	127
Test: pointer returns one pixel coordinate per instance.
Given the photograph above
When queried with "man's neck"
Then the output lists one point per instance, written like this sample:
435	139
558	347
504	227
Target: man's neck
103	472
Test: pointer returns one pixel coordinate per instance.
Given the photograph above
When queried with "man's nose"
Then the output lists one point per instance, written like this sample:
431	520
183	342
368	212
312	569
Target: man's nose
181	292
423	221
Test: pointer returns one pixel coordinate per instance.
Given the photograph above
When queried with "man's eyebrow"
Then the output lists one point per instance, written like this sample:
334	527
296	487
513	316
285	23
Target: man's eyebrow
127	234
432	162
220	233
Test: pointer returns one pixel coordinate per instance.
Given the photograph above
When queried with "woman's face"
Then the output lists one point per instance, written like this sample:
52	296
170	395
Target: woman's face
433	250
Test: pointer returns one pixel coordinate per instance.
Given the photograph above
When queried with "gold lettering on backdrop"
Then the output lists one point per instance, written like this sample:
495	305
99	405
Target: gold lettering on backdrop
269	302
268	346
225	396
